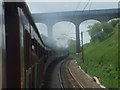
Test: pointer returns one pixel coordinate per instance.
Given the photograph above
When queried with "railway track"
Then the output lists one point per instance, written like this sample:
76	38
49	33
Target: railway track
59	75
71	78
80	79
75	84
53	75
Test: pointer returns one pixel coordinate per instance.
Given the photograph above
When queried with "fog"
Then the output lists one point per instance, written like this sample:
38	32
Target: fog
64	31
61	34
51	43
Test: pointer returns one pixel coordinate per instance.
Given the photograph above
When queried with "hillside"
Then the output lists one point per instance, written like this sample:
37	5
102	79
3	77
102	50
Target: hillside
101	60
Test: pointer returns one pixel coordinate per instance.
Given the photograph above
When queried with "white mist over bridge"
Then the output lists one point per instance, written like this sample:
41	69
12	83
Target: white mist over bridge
66	26
76	17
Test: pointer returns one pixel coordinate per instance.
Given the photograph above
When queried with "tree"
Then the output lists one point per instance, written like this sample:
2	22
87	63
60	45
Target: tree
94	29
100	31
114	22
107	27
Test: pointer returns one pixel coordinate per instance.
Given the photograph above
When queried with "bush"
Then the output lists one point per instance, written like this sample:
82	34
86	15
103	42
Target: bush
100	31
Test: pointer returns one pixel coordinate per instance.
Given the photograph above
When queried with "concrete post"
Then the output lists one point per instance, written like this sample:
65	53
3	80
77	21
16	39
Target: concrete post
77	39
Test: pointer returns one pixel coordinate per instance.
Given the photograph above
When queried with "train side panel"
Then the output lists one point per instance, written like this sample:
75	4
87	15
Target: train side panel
32	73
1	26
23	55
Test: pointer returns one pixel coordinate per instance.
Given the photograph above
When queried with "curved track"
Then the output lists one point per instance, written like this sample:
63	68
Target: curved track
58	75
53	77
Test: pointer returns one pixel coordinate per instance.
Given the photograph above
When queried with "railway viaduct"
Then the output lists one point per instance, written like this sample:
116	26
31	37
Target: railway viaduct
76	17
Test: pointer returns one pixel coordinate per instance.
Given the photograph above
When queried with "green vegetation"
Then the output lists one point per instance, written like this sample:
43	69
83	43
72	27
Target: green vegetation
100	31
101	54
72	47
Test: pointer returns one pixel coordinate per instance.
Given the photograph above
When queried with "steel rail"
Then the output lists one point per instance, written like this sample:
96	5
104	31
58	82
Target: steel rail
60	76
80	85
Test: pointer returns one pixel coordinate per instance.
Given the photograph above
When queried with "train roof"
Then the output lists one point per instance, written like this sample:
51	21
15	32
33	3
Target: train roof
28	15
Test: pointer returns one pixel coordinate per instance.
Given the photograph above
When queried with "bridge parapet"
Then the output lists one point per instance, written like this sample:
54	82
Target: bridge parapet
71	15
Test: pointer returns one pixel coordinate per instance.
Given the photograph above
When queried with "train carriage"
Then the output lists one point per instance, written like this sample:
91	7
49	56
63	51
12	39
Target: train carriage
23	55
24	50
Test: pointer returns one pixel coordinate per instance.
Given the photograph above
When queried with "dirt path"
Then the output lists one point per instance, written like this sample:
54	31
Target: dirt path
80	76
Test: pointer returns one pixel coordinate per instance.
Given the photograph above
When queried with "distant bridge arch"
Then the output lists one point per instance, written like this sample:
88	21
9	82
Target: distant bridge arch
114	19
102	15
67	26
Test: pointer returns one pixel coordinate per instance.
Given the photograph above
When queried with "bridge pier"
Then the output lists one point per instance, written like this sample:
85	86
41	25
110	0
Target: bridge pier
77	39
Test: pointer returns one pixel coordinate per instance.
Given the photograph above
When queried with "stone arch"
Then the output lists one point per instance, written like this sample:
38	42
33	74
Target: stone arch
62	31
114	19
92	19
83	28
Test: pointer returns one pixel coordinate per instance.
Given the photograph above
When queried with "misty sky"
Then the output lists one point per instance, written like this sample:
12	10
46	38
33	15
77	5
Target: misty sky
66	29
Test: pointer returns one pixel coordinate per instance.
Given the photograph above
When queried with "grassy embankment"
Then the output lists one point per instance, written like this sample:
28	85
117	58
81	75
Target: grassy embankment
101	60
